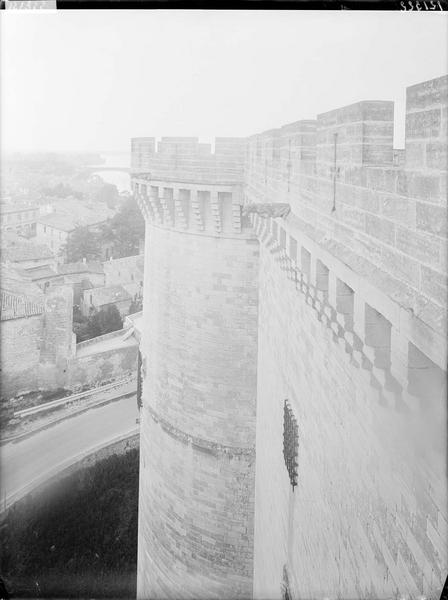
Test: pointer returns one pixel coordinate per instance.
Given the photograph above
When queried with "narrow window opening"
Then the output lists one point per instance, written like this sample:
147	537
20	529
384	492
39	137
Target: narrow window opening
274	230
426	379
322	275
305	257
290	442
378	336
286	595
282	238
293	248
139	380
345	302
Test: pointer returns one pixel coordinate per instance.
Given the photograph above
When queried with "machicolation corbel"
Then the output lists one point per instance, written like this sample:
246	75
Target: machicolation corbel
274	210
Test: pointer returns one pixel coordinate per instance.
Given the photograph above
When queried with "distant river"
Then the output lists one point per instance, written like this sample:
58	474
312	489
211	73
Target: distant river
118	178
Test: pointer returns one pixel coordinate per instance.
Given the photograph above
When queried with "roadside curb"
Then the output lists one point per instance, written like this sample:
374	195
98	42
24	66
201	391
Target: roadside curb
64	467
21	436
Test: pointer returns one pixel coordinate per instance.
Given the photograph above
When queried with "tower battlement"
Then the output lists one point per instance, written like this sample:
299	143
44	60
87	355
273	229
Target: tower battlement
315	280
184	186
186	159
198	351
214	211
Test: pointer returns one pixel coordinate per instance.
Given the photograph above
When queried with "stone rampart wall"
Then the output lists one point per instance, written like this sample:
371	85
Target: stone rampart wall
352	332
368	517
388	221
24	370
98	368
36	348
58	321
21	341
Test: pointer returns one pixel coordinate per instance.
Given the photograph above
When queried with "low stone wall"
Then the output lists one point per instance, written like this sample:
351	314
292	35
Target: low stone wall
101	338
99	368
120	446
95	362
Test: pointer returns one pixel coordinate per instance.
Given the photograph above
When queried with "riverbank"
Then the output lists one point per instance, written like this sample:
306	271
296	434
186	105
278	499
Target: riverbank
115	159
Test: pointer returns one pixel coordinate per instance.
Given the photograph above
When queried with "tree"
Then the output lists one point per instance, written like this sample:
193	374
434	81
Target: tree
80	324
83	533
103	321
61	190
78	317
84	330
108	194
82	243
125	230
135	306
107	319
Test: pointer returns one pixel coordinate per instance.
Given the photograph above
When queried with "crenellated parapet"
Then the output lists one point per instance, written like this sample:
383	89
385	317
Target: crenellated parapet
361	134
185	159
426	126
352	332
348	186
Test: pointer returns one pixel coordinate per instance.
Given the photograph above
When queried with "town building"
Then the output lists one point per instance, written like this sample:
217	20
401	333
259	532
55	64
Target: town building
47	358
19	218
293	359
127	272
25	254
97	285
82	276
36	333
42	276
55	228
95	299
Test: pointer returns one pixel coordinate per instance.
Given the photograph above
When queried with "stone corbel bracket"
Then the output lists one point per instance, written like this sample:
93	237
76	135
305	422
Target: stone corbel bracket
274	210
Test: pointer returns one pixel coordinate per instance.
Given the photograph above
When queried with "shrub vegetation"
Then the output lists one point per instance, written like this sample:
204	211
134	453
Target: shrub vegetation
77	538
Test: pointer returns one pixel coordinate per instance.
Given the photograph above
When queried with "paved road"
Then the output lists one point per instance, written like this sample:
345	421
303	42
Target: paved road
34	458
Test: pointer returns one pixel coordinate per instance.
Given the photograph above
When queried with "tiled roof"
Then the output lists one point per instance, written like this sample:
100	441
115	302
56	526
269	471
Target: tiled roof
13	306
40	273
20	249
70	215
57	221
80	267
18	296
13	208
133	288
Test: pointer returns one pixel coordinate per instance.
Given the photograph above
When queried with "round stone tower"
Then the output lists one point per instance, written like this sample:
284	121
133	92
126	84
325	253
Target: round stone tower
198	366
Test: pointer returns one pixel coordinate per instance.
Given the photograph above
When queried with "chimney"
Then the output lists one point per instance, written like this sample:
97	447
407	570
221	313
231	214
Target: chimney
84	260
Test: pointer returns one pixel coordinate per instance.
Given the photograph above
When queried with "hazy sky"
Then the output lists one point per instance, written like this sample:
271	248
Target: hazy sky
90	80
